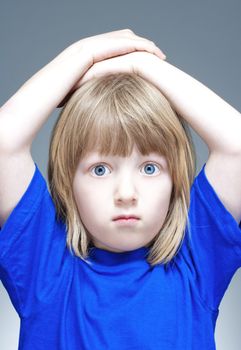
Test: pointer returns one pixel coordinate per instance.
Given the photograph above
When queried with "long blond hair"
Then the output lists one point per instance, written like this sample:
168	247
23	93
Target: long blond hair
112	113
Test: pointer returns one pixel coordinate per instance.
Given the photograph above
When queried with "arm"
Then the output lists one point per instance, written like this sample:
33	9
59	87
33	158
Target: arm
217	123
22	116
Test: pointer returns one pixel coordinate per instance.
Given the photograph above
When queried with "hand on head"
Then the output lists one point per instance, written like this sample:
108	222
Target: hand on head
112	52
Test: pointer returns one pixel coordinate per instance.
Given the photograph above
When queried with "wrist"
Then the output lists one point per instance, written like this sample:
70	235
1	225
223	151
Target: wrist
79	52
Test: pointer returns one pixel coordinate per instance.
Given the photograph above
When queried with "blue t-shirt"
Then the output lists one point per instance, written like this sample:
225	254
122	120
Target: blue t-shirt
116	300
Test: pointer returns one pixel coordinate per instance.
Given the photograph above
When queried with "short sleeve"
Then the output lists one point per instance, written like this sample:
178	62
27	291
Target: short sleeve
212	245
32	248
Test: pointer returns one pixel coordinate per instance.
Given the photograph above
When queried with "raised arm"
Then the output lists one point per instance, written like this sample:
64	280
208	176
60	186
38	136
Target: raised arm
22	116
216	121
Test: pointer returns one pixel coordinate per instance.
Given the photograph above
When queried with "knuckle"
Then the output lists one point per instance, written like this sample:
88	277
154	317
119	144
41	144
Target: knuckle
128	30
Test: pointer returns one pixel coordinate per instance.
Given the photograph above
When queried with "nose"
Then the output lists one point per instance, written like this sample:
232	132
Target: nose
125	191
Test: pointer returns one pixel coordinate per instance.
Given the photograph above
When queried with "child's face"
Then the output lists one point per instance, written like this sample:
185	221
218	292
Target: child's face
107	187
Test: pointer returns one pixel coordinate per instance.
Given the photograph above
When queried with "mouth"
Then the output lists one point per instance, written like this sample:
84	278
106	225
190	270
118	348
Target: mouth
126	218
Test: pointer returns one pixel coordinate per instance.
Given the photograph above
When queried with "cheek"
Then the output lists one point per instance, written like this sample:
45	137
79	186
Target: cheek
158	210
159	194
90	202
159	204
158	201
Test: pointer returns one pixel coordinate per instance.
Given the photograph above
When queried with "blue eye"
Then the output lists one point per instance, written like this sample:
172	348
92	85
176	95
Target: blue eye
99	170
150	168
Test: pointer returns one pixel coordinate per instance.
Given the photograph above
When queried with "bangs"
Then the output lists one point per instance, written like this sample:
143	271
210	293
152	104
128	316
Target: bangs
112	135
113	128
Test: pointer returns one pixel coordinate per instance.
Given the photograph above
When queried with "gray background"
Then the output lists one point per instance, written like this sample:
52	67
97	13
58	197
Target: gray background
200	37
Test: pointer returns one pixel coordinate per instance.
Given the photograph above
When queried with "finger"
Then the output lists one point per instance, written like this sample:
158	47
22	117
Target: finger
156	50
142	43
149	46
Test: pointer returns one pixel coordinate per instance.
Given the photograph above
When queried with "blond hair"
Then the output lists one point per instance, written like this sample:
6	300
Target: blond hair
112	113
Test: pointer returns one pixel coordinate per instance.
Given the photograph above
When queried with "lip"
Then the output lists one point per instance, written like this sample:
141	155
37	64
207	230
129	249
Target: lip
129	220
126	221
126	218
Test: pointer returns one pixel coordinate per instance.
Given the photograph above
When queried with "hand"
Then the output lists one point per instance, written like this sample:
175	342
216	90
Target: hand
108	45
112	44
141	63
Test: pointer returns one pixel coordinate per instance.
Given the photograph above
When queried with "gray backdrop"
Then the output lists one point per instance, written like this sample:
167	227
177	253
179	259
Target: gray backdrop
200	37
